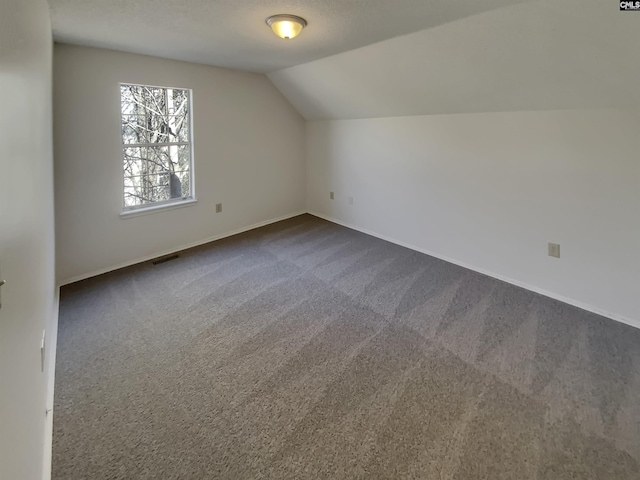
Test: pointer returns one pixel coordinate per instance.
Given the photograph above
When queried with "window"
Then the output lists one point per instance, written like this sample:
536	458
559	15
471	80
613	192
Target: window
156	145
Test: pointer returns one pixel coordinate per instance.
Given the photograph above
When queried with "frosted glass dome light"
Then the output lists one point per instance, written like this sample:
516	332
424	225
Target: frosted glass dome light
286	26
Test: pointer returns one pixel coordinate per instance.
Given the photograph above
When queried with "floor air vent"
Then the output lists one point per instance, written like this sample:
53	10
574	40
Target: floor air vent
165	259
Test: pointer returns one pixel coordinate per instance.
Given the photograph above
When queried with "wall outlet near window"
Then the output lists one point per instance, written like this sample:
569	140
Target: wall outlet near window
331	195
554	250
218	207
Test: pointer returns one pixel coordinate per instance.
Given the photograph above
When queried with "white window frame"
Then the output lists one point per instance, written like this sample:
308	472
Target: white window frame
132	211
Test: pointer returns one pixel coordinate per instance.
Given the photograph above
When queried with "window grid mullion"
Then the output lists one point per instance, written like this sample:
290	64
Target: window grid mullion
140	145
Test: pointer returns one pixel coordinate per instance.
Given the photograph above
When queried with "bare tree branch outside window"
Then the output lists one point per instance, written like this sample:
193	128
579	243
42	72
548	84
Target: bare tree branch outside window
156	142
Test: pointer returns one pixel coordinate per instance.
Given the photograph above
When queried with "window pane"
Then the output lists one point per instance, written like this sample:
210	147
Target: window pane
184	157
132	100
185	184
157	187
133	192
134	129
133	161
181	162
155	101
178	128
178	101
158	129
158	160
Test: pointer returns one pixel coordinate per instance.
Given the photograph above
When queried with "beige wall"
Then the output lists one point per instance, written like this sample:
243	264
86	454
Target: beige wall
29	299
489	191
248	151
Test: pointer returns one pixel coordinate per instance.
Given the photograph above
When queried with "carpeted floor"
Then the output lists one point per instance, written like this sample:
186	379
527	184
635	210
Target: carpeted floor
305	350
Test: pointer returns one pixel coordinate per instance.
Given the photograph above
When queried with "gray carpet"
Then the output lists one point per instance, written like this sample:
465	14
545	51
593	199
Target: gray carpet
305	350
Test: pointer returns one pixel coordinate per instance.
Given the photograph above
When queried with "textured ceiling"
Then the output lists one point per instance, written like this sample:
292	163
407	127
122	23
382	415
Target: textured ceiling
232	33
543	55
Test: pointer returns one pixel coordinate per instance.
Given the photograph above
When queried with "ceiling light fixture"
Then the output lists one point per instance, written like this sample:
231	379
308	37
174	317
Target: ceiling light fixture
286	26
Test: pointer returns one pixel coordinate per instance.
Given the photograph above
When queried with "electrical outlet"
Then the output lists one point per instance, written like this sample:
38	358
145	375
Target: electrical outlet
554	250
350	200
331	195
43	346
218	207
2	282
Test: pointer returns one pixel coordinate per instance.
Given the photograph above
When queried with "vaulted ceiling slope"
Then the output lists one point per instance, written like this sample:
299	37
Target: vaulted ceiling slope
232	33
543	55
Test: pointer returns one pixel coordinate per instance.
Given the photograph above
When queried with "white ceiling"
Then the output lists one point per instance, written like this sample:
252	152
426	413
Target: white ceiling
232	33
543	55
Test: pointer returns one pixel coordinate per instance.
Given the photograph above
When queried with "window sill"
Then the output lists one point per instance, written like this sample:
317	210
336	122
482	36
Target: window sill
157	208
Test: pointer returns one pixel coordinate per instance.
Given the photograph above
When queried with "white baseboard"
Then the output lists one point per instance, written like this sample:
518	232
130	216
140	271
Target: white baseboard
541	291
178	249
